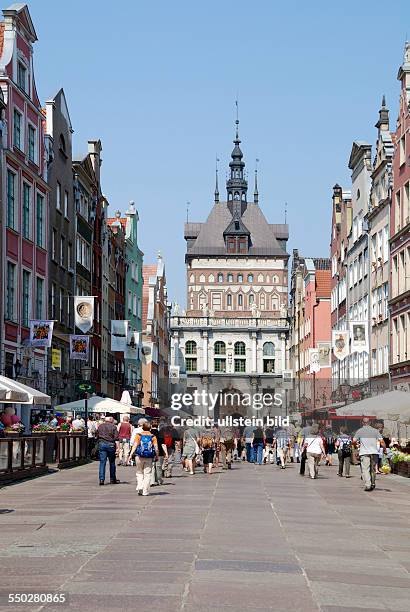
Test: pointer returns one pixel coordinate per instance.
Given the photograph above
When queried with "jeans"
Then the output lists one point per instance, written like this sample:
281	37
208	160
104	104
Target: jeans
343	461
250	453
107	451
258	453
368	466
144	470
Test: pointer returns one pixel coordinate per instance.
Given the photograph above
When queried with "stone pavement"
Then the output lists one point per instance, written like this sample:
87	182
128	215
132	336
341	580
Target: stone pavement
253	538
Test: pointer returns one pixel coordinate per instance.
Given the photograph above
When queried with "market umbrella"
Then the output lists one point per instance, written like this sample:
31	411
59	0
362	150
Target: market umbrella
393	405
100	404
17	393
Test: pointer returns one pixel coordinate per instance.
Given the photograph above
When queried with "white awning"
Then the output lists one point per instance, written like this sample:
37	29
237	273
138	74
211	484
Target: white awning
100	404
17	393
393	405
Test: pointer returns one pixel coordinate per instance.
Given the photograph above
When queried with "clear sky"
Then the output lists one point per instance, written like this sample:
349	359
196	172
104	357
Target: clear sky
157	82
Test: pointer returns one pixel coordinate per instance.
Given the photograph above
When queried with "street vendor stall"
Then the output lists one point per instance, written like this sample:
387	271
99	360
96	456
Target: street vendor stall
100	405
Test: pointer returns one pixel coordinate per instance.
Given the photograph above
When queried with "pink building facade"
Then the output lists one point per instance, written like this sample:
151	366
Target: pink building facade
24	193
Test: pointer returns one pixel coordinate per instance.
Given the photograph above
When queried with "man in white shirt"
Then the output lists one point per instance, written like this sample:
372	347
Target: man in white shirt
370	441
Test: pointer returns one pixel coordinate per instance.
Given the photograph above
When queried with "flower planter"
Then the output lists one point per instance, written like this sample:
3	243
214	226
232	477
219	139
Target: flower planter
403	469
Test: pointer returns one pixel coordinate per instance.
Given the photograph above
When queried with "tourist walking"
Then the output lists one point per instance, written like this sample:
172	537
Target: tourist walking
344	451
250	454
282	440
258	441
370	441
145	450
227	441
315	450
107	436
269	446
157	476
190	450
170	437
207	444
329	443
304	433
124	438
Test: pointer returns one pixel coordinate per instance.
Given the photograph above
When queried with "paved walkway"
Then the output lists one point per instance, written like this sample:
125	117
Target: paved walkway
253	538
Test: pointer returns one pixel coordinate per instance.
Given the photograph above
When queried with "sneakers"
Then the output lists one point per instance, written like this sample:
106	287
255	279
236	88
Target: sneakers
139	491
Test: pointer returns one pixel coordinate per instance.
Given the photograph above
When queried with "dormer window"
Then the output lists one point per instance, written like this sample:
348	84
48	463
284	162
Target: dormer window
22	76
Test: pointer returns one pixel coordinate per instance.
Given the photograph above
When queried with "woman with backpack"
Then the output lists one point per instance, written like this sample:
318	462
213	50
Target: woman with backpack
146	450
344	452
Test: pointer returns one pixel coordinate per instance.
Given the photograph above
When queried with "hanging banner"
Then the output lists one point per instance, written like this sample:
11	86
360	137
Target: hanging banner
84	312
173	374
324	354
358	334
340	343
119	331
79	347
41	333
314	366
146	353
132	345
56	359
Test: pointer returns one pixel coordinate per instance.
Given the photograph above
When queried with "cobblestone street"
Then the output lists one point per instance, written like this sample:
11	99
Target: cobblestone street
253	538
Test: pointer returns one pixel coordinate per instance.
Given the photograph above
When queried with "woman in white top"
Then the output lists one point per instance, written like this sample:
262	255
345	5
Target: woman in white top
315	450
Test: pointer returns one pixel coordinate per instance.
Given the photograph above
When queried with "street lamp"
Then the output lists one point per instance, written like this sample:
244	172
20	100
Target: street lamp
86	372
140	394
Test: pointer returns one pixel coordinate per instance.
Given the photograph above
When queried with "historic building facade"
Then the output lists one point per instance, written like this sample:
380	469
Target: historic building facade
24	195
400	238
233	334
378	219
155	336
341	227
61	245
310	329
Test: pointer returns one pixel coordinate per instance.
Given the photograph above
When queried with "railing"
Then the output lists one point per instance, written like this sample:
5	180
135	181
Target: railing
71	449
253	322
22	457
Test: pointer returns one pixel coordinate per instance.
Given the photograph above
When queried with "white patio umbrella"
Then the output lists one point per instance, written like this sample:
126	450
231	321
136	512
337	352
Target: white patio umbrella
17	393
393	405
100	404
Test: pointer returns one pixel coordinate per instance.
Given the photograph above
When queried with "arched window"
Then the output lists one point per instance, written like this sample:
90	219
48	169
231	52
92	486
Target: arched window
190	347
202	278
240	278
230	277
243	197
211	278
230	196
220	278
260	278
275	279
192	278
239	348
268	358
240	300
250	278
229	300
220	348
251	299
236	196
262	301
268	349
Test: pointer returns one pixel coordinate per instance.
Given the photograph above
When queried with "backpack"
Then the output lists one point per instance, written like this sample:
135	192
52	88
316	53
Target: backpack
146	446
168	440
346	447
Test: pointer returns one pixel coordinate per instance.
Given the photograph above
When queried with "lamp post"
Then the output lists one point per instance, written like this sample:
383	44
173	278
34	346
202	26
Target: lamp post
86	372
138	385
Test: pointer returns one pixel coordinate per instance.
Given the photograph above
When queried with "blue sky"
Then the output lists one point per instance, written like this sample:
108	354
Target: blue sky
157	82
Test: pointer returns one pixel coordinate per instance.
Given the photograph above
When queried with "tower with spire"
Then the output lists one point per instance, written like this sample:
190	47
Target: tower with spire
237	185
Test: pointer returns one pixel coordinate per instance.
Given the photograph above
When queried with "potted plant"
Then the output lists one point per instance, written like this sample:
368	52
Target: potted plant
64	428
401	462
42	429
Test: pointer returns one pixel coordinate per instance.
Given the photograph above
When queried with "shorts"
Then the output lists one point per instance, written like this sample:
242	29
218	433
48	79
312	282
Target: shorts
208	455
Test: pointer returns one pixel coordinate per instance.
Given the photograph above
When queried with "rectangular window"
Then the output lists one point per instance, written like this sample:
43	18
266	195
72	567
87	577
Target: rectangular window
54	245
39	297
26	211
219	365
69	256
31	143
191	364
62	249
26	298
66	204
58	196
17	129
21	76
40	221
53	300
397	216
240	365
402	149
11	188
11	292
61	305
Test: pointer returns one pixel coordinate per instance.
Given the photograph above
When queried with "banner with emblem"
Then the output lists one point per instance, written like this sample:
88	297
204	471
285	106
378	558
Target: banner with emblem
84	312
132	345
56	359
358	334
79	347
41	333
325	350
340	343
119	332
314	365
